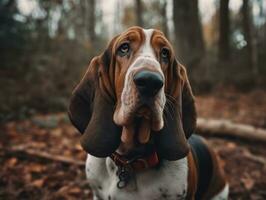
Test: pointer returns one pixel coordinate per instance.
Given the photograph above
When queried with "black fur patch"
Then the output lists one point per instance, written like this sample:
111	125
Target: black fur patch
203	159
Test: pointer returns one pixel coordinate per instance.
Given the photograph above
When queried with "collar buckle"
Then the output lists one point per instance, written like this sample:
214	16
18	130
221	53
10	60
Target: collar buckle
124	174
127	168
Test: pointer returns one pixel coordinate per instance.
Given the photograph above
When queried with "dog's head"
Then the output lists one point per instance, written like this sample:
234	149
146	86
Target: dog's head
134	91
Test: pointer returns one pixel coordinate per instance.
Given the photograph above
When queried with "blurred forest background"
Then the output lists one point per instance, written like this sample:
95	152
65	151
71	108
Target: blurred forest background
45	46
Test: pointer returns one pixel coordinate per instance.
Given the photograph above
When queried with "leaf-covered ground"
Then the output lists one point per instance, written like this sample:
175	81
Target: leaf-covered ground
41	157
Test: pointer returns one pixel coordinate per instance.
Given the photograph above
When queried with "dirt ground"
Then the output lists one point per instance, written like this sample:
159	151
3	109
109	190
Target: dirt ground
41	157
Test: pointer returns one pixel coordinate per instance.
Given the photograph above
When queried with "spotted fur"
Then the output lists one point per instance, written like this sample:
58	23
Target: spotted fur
167	182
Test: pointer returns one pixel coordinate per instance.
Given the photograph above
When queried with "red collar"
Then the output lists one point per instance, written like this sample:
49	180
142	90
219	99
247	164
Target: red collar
137	164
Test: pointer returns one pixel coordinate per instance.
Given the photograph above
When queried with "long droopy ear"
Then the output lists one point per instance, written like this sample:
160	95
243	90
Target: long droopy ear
180	115
189	114
91	110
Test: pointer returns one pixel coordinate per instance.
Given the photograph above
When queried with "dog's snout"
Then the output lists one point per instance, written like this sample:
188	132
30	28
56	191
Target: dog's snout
148	83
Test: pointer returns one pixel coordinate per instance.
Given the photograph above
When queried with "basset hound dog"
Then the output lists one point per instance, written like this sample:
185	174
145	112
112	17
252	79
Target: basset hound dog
135	110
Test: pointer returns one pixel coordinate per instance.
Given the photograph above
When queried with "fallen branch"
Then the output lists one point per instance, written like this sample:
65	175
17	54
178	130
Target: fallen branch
44	155
255	158
213	127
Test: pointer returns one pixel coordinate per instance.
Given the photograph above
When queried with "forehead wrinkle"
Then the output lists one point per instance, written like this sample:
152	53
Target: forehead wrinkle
133	35
159	40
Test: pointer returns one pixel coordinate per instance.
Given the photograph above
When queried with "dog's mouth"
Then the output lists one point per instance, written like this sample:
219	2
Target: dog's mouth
138	131
138	117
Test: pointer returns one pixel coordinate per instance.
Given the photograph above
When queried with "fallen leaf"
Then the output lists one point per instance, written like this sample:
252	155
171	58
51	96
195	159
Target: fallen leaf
11	162
231	145
248	183
74	190
38	183
35	167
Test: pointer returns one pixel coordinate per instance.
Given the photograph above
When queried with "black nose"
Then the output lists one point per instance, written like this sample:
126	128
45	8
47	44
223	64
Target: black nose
148	83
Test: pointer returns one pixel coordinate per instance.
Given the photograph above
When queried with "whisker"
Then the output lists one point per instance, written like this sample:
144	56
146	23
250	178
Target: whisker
164	109
171	98
169	109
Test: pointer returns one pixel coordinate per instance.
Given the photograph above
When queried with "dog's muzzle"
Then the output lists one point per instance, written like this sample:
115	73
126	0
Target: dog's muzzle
148	83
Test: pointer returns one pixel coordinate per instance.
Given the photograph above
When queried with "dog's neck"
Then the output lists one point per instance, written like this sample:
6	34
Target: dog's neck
136	150
137	158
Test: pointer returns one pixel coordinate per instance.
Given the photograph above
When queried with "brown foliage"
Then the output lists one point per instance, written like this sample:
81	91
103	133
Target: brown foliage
31	176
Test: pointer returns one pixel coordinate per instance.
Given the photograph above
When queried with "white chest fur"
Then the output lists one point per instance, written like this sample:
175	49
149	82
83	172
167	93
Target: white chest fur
167	182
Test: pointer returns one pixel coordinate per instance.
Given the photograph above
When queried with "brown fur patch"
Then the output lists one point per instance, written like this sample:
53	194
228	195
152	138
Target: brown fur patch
192	177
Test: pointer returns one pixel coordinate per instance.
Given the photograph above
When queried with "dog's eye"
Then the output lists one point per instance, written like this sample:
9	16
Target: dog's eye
165	54
123	49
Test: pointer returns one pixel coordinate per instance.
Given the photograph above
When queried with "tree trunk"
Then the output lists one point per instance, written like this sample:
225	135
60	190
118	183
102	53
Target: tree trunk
224	33
188	32
164	17
91	19
139	13
87	24
250	38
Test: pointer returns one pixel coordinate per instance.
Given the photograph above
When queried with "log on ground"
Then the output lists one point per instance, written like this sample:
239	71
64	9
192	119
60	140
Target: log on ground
222	127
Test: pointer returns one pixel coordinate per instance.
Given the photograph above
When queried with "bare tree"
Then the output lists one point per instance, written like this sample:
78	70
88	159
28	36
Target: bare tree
87	9
139	13
164	17
92	20
249	37
224	31
188	31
